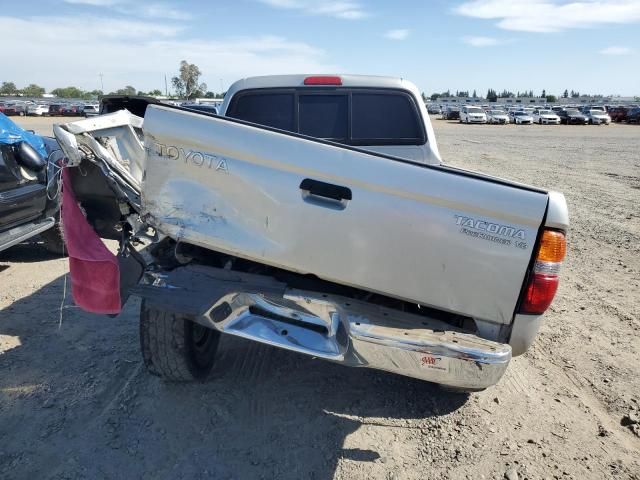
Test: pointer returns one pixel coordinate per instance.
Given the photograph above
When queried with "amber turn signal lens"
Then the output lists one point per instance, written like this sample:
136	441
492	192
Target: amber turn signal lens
553	246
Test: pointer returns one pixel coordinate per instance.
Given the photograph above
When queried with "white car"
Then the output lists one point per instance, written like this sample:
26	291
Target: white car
472	115
546	117
598	117
38	109
497	116
522	118
91	110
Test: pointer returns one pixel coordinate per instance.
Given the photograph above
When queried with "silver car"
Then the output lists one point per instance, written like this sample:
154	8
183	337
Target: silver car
522	118
497	116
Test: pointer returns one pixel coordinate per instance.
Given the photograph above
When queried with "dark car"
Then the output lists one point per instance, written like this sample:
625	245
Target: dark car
15	109
451	113
136	104
29	200
55	109
618	114
74	110
633	116
572	116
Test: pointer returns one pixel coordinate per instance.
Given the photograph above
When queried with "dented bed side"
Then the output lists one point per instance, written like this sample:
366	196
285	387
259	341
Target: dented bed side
429	235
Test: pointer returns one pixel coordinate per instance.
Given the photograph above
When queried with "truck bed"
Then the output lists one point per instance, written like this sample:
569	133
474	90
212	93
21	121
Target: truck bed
433	235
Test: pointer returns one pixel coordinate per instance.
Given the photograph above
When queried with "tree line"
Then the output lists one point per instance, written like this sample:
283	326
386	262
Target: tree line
493	96
186	85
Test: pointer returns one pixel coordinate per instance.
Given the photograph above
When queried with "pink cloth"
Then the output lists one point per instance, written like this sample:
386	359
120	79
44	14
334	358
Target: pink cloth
95	274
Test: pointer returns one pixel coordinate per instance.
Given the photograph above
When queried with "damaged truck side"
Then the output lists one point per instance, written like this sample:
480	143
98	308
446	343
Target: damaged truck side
314	214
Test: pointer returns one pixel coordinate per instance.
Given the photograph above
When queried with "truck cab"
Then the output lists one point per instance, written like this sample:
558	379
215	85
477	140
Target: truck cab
381	114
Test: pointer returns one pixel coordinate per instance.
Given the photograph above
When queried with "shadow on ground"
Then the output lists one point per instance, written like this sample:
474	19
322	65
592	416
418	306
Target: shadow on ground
30	251
76	402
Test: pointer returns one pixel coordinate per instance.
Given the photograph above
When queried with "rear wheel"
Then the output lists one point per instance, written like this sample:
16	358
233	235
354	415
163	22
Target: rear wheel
175	348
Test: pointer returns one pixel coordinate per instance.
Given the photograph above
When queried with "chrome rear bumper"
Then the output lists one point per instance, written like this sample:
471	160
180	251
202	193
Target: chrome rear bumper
358	334
334	328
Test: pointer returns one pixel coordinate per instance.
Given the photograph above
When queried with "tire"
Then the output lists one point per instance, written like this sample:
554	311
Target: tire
175	348
54	240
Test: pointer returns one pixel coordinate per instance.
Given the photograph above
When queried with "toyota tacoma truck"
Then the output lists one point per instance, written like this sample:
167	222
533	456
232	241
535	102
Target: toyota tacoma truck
313	214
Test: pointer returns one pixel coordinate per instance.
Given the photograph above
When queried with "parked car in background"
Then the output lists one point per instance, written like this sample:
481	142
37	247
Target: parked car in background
451	113
598	117
546	117
522	118
55	109
91	110
618	114
587	108
497	116
572	116
15	108
633	115
73	110
434	109
38	109
472	115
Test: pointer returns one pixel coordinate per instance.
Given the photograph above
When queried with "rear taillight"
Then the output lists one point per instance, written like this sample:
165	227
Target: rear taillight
543	281
323	80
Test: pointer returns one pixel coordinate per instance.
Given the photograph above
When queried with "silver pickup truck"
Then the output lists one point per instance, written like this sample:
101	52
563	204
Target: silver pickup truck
314	214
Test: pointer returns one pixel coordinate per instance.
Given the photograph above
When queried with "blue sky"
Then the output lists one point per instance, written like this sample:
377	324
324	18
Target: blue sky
585	45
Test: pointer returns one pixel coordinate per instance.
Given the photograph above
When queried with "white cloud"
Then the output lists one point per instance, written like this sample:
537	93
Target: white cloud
399	34
156	10
138	9
94	3
616	51
552	15
348	10
140	53
481	41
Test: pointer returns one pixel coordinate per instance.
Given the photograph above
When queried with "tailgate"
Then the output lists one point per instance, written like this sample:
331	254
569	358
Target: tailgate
434	236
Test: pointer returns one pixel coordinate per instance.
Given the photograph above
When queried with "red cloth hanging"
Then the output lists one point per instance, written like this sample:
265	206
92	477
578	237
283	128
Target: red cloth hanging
94	270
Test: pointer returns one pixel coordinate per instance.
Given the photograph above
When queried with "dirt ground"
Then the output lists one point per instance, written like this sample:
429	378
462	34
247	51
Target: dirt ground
76	402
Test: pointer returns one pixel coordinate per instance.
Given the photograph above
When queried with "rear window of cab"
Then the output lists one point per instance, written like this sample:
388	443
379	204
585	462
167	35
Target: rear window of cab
349	116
